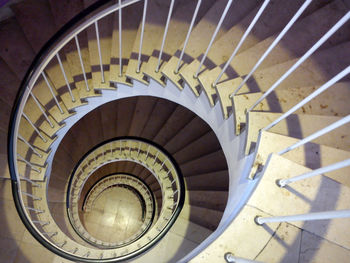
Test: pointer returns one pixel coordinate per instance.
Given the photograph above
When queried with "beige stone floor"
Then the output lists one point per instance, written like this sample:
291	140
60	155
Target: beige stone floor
116	215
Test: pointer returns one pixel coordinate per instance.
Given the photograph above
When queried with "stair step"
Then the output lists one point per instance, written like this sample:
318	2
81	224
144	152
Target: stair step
215	200
177	31
200	37
130	26
65	10
205	30
297	126
257	240
331	102
312	155
39	30
216	181
189	230
14	44
309	28
205	164
205	144
195	128
75	68
315	194
153	31
204	217
266	26
175	123
100	77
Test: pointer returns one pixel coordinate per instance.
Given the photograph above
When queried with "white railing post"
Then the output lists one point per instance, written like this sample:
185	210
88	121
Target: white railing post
323	39
29	145
316	134
188	36
324	87
304	217
322	170
81	62
141	37
41	109
99	52
228	5
65	76
51	91
240	43
120	39
165	33
34	127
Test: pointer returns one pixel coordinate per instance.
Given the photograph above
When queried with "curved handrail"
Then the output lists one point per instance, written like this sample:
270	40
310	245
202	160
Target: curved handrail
63	36
143	204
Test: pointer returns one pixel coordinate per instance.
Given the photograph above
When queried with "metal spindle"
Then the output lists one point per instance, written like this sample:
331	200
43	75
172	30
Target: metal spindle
35	210
120	146
165	33
41	109
147	152
120	41
62	244
322	170
141	38
28	163
167	174
65	77
323	39
139	148
213	37
81	62
35	128
155	158
99	52
230	258
188	36
331	82
317	134
35	198
304	217
50	234
274	43
52	93
87	254
29	145
30	181
245	35
42	223
161	168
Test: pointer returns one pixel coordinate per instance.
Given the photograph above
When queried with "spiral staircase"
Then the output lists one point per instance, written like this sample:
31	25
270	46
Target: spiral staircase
225	124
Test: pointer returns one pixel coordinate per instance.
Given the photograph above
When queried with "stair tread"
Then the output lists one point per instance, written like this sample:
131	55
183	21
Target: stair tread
205	217
317	194
38	30
197	44
312	155
216	181
285	99
309	28
215	200
129	31
152	33
15	45
298	126
178	27
256	239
